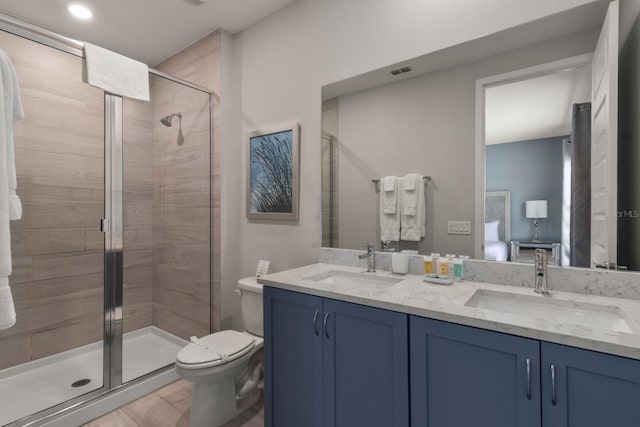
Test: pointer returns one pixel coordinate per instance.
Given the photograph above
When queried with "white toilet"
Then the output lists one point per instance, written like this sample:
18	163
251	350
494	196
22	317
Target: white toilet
225	367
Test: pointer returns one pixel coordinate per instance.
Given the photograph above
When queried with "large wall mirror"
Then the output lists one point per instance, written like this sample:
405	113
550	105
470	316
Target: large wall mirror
502	125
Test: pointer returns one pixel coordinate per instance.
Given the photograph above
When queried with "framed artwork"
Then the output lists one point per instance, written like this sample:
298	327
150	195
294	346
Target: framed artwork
273	167
497	207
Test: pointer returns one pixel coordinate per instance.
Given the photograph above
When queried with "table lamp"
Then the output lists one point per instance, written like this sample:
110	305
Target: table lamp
536	209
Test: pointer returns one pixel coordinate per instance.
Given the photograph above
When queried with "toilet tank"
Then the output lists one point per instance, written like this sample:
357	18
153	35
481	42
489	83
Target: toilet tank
251	305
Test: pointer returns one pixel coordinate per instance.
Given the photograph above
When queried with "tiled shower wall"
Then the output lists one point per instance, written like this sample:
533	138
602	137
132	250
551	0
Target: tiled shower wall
181	210
138	200
199	63
57	279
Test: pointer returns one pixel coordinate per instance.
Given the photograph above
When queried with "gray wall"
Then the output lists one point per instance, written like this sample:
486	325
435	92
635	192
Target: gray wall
424	125
530	170
278	67
629	136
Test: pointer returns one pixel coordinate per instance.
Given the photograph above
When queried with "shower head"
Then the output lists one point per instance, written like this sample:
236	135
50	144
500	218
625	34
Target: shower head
166	120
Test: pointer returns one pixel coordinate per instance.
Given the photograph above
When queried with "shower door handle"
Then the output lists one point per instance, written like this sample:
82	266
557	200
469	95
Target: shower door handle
104	225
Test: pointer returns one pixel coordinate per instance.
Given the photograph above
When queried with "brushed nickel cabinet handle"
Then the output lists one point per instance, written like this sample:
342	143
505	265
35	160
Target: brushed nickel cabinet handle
528	379
326	331
315	323
553	385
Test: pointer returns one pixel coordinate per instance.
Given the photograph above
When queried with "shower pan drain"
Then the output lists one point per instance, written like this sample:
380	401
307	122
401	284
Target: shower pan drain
81	382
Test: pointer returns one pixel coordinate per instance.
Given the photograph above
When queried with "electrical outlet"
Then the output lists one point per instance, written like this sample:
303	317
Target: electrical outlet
459	227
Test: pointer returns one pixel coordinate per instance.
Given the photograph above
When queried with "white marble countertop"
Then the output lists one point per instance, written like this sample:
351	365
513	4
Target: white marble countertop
447	302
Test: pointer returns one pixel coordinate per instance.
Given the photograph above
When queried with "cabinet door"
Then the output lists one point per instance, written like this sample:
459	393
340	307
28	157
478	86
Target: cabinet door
293	359
591	389
366	366
463	376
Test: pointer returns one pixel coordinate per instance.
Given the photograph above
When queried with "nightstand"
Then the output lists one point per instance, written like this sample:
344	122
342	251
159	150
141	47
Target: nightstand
522	251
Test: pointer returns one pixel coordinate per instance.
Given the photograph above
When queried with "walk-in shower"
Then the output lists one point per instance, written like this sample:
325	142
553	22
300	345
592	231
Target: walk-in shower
112	259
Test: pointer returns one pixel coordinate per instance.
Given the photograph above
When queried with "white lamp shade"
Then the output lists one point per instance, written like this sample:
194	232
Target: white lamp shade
536	208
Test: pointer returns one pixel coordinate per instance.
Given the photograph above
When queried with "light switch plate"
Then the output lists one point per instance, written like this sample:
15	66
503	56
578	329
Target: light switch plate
459	227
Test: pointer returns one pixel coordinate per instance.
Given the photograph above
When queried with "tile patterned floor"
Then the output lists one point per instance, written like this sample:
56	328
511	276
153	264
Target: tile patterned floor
169	407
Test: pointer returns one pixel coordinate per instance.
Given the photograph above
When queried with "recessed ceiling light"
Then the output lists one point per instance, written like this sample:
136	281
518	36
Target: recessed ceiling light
80	11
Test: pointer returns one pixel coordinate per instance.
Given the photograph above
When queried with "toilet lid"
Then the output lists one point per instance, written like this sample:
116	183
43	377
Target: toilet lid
216	349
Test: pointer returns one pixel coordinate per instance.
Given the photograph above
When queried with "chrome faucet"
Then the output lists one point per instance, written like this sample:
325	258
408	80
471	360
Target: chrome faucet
385	246
371	254
541	282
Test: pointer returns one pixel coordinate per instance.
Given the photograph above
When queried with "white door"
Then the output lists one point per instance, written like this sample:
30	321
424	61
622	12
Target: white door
604	143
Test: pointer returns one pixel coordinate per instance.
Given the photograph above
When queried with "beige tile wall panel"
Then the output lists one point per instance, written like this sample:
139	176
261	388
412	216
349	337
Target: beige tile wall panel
138	307
66	265
38	191
55	240
178	325
60	215
41	164
15	351
52	291
60	339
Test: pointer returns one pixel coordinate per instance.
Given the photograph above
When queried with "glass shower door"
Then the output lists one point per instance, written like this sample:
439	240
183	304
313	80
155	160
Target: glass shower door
54	353
166	239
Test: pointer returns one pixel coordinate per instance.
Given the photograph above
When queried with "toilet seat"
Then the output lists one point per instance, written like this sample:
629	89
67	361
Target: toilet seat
215	349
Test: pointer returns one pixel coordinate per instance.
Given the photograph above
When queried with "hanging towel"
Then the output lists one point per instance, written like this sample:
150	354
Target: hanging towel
10	206
389	209
412	220
409	194
116	73
7	309
389	195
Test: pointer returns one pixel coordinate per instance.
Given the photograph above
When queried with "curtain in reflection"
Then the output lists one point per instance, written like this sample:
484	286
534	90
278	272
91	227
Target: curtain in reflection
580	236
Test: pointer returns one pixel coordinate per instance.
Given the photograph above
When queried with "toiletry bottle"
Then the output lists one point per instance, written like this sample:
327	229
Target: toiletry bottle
435	263
463	259
451	261
457	269
443	267
428	264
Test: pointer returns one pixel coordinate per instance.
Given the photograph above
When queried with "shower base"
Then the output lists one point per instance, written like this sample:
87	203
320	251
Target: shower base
43	383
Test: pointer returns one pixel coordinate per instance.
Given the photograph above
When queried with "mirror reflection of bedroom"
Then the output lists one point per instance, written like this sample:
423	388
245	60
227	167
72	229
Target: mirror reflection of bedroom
537	166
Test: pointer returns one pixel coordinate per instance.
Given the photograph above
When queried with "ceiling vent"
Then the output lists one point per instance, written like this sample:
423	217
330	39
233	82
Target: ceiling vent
399	71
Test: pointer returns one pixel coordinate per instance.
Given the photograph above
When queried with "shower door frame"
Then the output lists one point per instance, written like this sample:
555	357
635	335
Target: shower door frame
111	225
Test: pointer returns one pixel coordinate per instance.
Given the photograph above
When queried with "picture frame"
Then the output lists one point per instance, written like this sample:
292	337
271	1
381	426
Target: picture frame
273	180
498	208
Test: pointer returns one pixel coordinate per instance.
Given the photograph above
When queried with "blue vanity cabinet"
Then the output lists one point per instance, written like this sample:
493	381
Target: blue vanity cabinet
292	359
366	366
588	389
333	364
464	376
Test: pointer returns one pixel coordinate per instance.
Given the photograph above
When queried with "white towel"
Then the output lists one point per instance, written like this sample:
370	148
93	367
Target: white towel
412	220
10	207
7	309
409	194
116	73
389	210
389	195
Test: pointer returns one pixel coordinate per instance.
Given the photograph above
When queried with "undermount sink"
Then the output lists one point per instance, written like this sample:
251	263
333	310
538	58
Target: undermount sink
347	278
596	316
